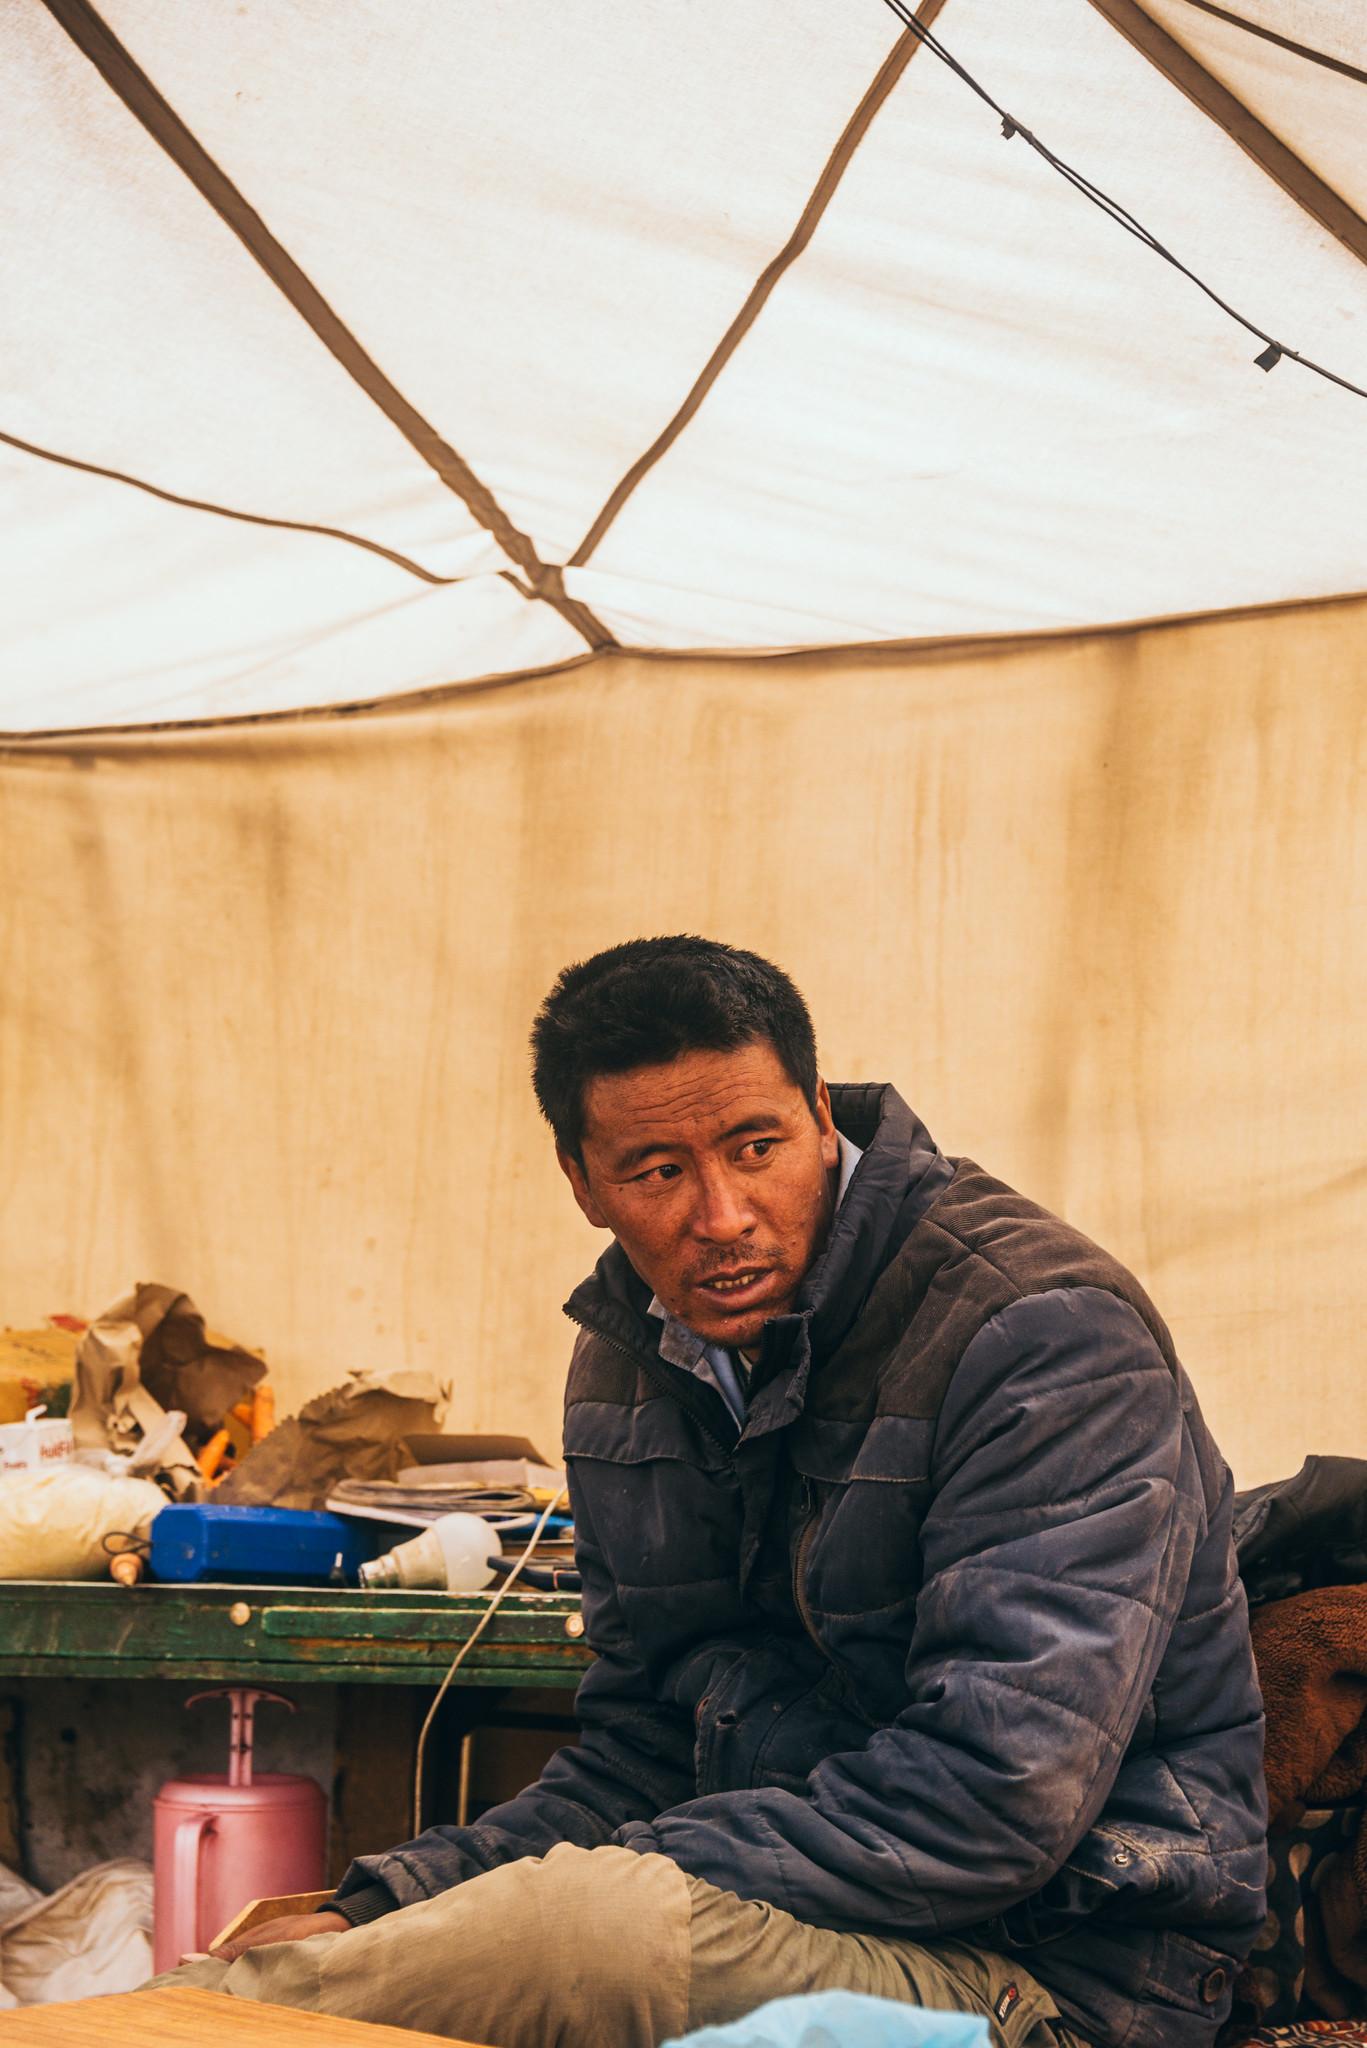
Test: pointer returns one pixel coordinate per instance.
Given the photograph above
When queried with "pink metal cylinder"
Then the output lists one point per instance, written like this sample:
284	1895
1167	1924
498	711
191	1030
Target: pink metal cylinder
217	1845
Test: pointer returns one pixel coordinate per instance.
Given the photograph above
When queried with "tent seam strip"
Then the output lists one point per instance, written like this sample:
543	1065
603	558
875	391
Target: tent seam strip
1227	110
837	163
137	483
944	648
127	80
1270	35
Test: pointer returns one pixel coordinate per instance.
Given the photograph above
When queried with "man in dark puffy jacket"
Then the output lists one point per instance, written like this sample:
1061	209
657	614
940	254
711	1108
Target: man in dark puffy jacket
922	1666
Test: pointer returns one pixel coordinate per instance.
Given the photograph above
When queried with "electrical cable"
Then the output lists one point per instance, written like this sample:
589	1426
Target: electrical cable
463	1652
1274	351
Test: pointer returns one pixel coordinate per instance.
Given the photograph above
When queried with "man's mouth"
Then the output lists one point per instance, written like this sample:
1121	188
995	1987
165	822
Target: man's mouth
737	1287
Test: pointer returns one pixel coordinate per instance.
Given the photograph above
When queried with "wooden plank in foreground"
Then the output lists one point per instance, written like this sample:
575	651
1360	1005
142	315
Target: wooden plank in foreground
188	2018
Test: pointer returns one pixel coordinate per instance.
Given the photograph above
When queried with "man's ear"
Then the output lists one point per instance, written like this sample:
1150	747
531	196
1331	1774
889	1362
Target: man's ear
825	1123
574	1174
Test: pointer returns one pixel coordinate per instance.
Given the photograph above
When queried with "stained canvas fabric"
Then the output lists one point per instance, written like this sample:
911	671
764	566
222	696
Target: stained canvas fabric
1094	906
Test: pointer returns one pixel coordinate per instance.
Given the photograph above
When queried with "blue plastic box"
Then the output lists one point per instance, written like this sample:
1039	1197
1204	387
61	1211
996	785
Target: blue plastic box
261	1546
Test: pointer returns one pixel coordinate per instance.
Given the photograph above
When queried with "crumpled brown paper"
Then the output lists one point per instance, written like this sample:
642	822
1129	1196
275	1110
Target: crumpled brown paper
355	1431
148	1355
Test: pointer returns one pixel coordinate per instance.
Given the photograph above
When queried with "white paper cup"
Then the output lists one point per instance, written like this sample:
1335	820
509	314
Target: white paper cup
36	1445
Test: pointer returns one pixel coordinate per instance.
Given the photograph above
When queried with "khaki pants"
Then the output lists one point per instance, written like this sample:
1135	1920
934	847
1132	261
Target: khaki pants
601	1948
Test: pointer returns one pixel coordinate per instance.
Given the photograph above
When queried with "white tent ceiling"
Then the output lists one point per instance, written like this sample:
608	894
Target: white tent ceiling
445	280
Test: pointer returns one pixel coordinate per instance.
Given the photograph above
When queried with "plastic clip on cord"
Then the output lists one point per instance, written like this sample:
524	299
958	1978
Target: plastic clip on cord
463	1652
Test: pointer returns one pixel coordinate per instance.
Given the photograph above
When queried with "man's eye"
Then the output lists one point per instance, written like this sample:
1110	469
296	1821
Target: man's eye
760	1148
653	1175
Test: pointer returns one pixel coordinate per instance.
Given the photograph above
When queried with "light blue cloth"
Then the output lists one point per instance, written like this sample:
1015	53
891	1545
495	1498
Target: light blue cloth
712	1362
843	2019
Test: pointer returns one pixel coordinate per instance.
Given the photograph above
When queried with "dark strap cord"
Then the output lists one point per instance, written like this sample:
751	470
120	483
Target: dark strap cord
1274	350
137	483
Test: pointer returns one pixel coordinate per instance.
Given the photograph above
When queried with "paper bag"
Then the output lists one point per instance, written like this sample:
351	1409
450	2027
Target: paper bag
355	1431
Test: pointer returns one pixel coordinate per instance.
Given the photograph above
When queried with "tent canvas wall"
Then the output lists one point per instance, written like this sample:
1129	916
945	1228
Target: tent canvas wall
1093	905
738	467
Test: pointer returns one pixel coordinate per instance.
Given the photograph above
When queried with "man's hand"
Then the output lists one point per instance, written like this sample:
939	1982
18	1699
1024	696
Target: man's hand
289	1927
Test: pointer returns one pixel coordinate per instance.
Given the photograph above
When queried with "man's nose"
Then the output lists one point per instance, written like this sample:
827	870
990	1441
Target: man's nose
722	1212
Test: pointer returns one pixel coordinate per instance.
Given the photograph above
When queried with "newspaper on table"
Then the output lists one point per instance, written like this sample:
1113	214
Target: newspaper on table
500	1490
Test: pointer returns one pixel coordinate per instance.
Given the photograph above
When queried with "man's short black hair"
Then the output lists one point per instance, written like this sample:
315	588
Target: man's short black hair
649	1000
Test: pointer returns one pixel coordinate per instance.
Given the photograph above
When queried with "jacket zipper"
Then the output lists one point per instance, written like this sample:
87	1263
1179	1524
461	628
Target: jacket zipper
680	1389
804	1612
847	1690
684	1395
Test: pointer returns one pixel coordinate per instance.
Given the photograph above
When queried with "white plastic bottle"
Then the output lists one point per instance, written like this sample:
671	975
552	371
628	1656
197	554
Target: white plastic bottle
452	1552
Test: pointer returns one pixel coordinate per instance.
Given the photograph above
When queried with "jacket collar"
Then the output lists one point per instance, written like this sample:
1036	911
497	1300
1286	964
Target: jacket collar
900	1175
896	1181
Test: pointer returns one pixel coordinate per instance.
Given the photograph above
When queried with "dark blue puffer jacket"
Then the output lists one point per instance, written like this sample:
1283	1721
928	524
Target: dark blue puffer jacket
949	1640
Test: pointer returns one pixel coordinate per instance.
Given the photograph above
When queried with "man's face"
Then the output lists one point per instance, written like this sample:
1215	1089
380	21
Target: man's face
714	1175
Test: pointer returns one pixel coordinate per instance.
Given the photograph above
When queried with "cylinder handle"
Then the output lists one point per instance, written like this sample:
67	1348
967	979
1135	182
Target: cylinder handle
243	1701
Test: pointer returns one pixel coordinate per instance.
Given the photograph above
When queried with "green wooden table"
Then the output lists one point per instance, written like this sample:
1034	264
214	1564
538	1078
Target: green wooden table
273	1635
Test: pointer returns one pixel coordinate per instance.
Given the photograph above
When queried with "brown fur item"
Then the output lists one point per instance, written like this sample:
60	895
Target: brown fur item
1311	1652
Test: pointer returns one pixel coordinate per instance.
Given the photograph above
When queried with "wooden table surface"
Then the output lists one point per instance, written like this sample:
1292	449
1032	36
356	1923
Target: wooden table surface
187	2019
278	1635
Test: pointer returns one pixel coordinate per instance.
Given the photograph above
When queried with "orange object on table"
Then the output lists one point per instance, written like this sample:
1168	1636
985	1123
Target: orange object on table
214	1452
187	2019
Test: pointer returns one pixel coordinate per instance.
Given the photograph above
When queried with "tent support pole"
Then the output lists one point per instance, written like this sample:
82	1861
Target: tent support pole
1267	150
129	82
855	129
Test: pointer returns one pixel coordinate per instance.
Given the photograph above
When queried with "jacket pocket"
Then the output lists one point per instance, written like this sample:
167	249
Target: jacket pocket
767	1719
661	1516
856	1576
1124	1873
637	1435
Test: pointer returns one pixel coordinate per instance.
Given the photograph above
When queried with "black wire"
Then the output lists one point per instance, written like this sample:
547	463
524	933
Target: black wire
1121	215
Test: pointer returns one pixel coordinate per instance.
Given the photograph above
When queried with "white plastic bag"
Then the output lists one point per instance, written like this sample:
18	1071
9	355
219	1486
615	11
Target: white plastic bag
16	1896
53	1524
91	1937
